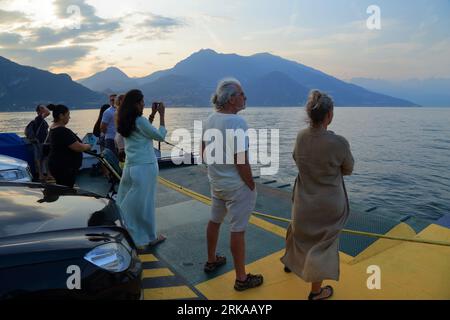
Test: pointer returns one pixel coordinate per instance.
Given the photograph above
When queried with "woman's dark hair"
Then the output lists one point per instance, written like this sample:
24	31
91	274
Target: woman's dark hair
318	106
57	110
128	112
96	130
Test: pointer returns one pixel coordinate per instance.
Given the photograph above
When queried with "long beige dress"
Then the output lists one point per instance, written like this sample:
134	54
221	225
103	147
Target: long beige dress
320	205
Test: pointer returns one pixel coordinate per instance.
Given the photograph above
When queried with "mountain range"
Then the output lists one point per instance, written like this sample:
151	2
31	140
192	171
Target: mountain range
111	79
267	80
22	88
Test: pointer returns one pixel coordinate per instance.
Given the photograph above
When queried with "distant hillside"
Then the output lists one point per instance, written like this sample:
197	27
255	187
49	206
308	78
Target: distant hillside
176	90
434	92
278	87
22	88
267	79
111	79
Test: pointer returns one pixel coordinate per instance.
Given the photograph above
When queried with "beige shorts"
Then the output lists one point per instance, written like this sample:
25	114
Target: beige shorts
238	204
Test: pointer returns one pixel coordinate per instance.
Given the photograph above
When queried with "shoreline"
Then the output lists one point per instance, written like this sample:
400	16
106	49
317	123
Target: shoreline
251	107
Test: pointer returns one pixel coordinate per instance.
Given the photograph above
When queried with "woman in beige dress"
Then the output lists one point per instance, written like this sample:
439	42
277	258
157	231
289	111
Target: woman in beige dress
320	204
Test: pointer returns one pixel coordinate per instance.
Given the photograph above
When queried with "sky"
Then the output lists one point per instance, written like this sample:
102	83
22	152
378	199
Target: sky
82	37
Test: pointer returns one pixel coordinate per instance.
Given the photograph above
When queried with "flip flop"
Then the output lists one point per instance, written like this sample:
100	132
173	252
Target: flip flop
158	240
312	296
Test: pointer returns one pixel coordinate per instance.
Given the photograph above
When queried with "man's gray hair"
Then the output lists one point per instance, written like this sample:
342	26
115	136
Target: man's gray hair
225	90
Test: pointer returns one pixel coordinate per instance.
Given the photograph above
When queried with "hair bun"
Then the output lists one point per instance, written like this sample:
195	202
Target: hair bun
51	107
315	96
318	105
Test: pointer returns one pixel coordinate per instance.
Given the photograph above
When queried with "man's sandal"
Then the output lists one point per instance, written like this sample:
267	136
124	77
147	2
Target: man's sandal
252	281
212	266
314	296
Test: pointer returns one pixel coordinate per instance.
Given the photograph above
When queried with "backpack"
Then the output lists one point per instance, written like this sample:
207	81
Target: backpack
30	134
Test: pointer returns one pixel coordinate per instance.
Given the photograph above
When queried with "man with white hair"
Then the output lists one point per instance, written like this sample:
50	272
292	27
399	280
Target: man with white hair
225	149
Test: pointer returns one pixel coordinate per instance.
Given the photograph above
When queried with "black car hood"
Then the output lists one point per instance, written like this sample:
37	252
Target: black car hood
34	208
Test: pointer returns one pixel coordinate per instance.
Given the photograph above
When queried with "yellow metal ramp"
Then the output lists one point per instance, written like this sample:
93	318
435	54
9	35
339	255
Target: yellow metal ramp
408	271
161	283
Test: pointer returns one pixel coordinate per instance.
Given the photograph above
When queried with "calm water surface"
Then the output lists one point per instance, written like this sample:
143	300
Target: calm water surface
402	155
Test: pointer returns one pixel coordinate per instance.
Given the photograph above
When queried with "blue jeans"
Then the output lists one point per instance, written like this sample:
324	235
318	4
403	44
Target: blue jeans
111	145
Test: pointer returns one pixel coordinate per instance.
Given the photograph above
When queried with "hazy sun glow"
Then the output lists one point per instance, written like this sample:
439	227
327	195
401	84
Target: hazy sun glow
41	12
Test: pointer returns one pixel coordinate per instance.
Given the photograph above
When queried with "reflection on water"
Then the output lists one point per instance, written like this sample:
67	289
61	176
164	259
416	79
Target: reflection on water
402	155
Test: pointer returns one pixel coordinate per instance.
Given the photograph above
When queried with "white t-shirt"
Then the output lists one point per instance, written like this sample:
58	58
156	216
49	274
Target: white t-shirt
109	119
224	135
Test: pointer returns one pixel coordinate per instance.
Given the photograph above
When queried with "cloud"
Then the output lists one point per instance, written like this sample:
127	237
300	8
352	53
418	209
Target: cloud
156	21
45	36
46	46
10	17
9	40
154	27
91	28
88	26
87	11
61	56
42	49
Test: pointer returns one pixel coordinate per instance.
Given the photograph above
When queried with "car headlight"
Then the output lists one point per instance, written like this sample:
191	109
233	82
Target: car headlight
12	175
111	256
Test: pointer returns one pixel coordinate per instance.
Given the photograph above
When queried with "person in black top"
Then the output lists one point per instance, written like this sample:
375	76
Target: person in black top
36	132
66	149
40	125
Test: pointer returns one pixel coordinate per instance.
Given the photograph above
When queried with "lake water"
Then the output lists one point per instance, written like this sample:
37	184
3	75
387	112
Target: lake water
402	154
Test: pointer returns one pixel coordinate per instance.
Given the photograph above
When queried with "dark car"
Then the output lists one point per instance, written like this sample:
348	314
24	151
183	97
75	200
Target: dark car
58	242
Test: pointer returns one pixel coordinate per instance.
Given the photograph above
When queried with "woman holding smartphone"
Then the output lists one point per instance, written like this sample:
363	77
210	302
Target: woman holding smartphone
137	190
